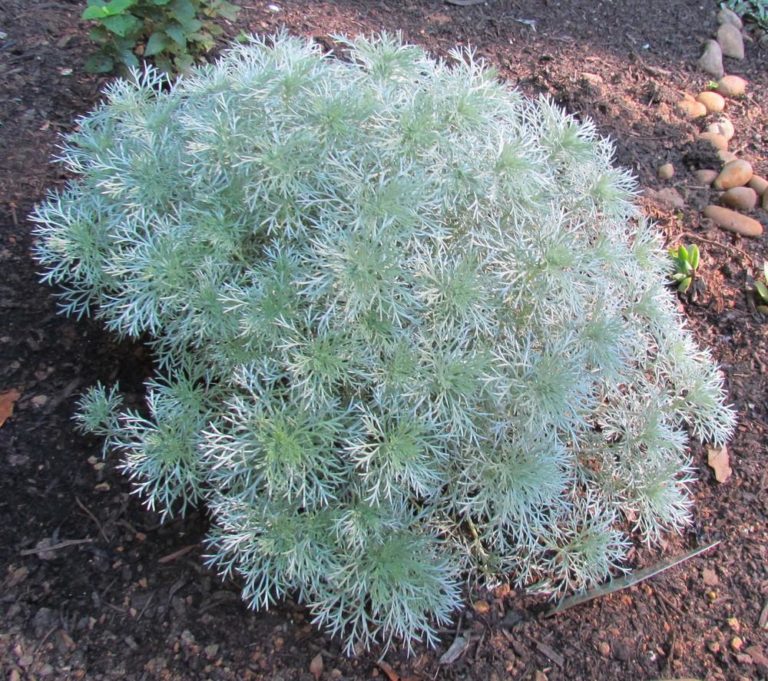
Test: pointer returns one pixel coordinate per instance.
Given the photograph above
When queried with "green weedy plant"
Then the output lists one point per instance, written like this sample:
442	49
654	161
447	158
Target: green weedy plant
173	33
755	11
761	291
410	328
686	263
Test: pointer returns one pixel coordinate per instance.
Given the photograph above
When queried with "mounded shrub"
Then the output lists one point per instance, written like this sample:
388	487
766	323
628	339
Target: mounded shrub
409	328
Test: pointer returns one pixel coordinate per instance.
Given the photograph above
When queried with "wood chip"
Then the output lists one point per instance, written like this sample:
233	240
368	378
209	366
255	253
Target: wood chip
551	653
762	622
392	675
719	462
7	401
456	650
316	666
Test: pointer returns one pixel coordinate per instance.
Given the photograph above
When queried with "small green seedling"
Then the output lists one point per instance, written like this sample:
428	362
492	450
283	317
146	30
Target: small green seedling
686	259
761	291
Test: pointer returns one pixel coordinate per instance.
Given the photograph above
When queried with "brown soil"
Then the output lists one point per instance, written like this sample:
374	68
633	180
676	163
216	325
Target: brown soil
131	599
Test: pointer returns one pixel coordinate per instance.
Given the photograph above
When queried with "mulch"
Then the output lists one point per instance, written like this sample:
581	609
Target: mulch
95	587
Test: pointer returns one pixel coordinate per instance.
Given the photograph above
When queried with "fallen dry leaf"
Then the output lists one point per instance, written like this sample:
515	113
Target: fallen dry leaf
455	651
719	461
7	400
316	666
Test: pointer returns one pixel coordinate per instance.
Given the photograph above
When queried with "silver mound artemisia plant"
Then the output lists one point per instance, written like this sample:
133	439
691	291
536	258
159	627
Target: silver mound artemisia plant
409	328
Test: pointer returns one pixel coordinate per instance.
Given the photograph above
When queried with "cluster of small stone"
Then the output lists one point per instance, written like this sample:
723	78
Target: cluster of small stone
729	42
742	189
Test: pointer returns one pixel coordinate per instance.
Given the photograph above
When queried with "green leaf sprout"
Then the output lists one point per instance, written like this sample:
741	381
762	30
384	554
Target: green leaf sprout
686	261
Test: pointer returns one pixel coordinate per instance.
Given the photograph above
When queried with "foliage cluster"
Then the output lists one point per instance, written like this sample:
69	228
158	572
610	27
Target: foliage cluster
173	33
755	11
410	328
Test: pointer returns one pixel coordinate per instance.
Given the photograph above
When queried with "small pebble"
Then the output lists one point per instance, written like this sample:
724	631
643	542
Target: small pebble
723	127
734	174
666	171
740	198
717	140
705	176
691	108
759	184
728	16
714	102
730	40
731	221
732	86
736	643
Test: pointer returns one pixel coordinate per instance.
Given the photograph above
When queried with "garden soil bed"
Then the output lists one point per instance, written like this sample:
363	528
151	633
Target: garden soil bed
94	587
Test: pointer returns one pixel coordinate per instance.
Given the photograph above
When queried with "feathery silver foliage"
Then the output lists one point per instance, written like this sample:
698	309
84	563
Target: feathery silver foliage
410	327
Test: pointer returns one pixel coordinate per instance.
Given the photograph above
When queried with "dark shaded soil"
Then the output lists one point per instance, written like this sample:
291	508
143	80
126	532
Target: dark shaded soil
117	595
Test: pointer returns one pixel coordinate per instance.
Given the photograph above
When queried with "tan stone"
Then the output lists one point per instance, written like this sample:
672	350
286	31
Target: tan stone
717	140
764	203
734	174
732	86
731	41
740	198
714	101
730	220
723	127
691	108
726	156
665	171
705	176
759	184
728	16
711	60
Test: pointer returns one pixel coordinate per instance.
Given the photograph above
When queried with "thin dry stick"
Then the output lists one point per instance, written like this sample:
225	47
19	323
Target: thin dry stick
44	639
624	582
725	247
92	517
61	545
146	605
177	554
